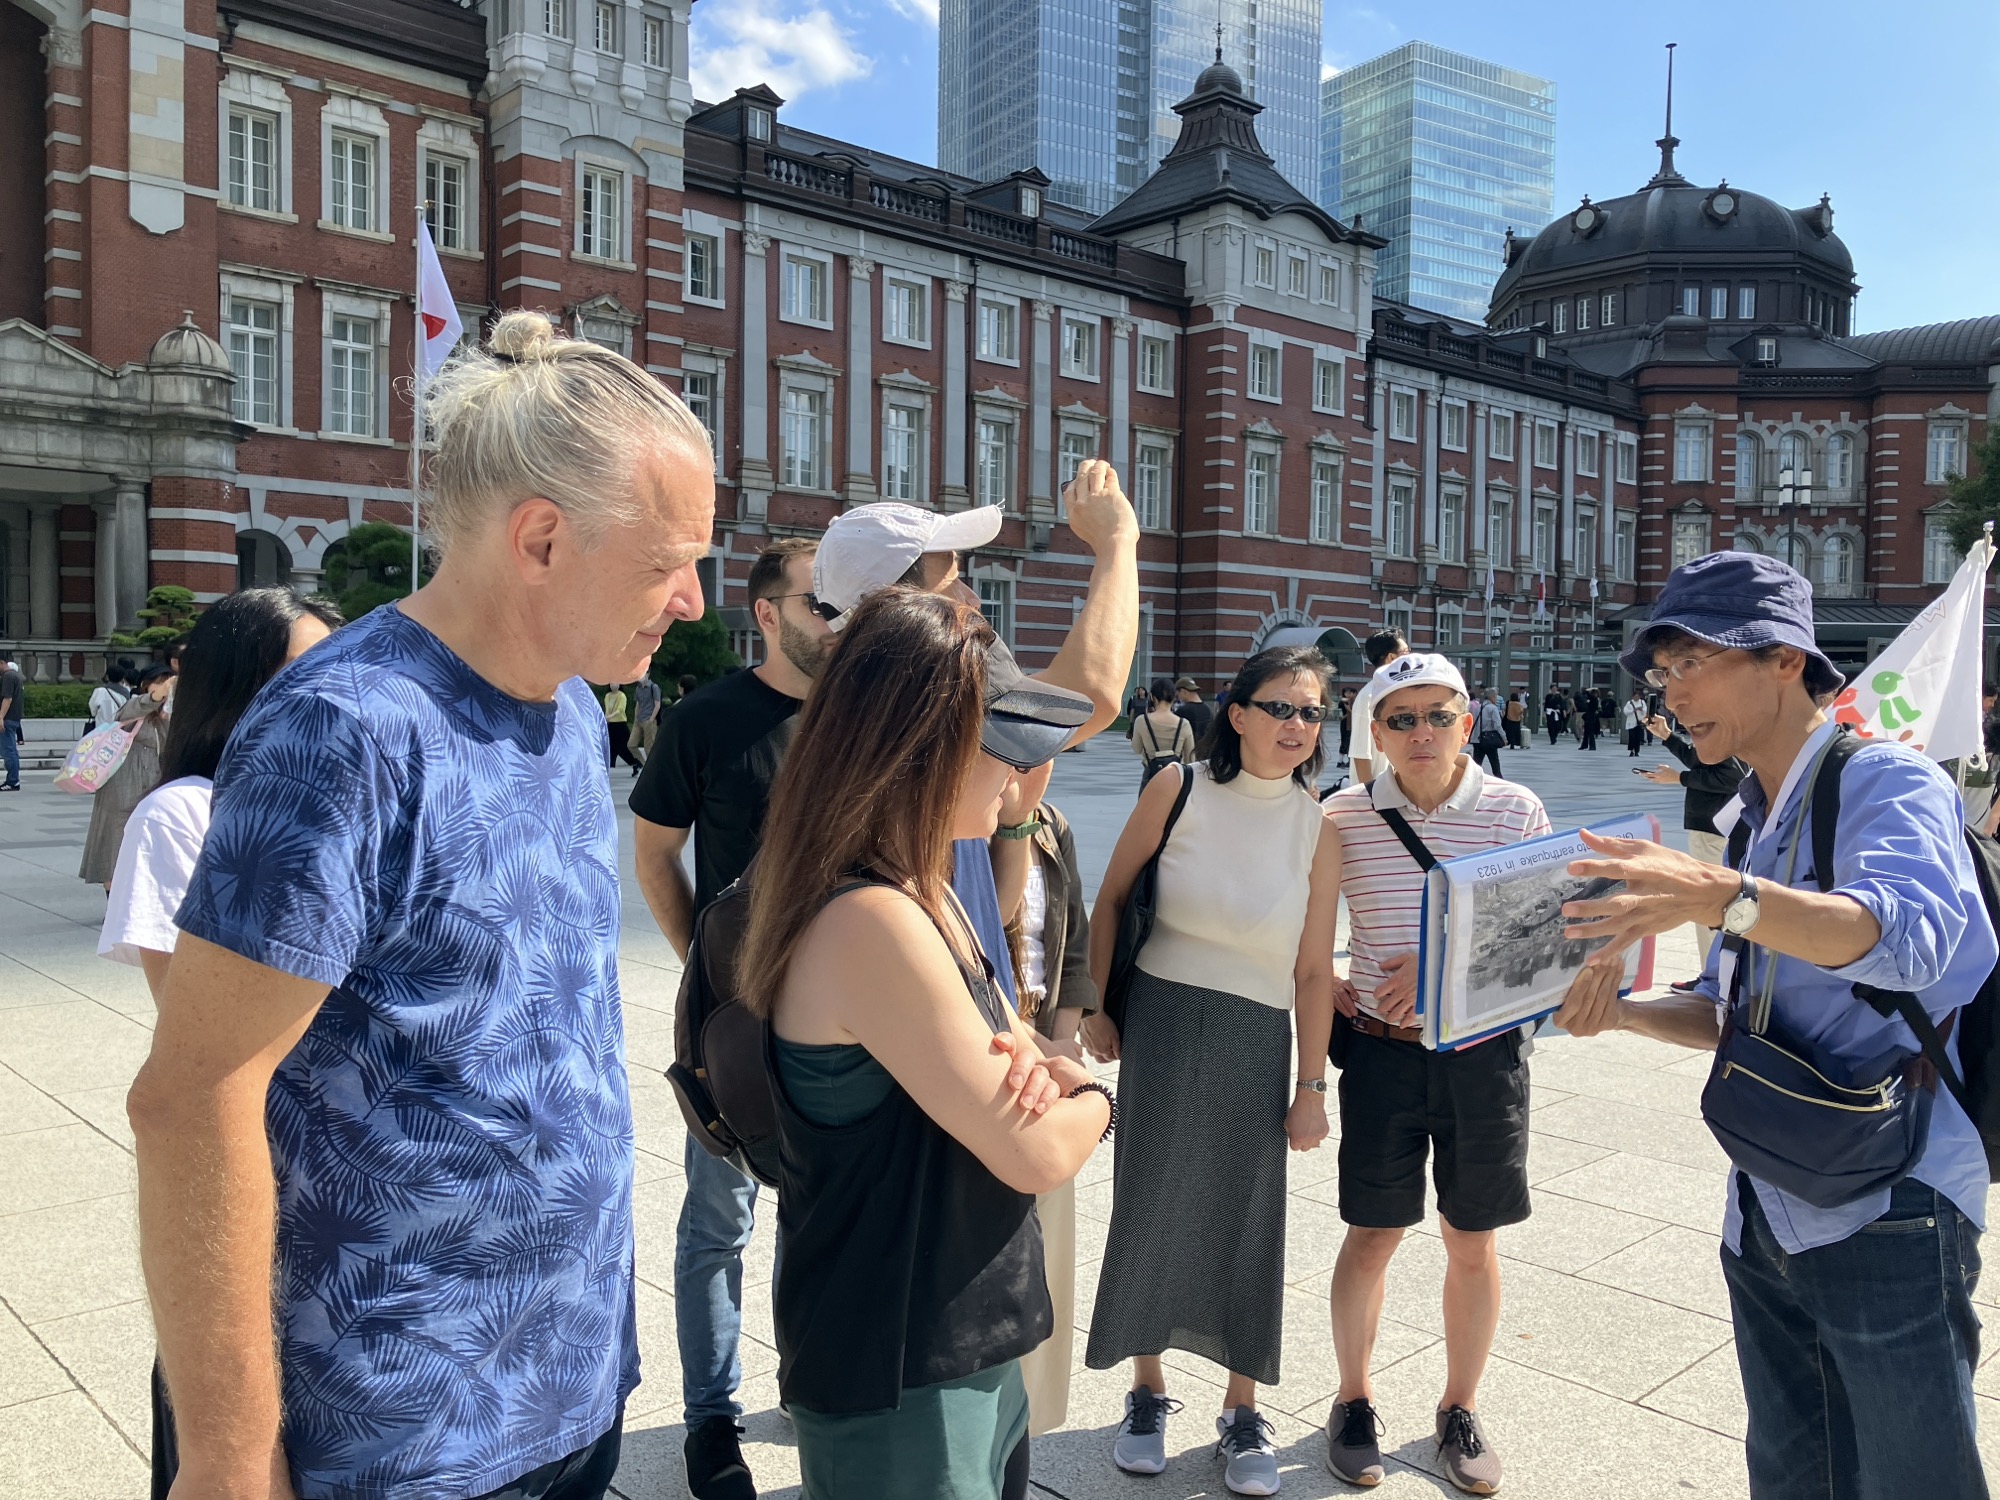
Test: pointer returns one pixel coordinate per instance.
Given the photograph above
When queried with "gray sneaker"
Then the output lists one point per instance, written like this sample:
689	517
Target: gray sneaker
1245	1440
1141	1444
1352	1449
1469	1460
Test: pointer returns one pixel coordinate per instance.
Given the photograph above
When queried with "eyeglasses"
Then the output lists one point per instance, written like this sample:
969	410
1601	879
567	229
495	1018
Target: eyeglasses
1679	671
1279	709
1437	718
814	604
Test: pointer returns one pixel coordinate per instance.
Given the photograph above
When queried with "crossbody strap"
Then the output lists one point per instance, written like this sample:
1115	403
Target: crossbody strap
1174	813
1400	826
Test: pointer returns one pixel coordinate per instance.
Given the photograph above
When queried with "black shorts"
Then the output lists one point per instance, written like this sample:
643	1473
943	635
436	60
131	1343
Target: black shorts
1399	1100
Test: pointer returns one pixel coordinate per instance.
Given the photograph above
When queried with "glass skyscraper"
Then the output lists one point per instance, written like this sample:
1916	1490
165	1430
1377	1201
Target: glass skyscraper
1085	89
1439	153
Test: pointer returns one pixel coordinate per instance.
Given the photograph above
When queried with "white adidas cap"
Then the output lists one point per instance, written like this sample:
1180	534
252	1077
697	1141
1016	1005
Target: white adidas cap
871	546
1418	669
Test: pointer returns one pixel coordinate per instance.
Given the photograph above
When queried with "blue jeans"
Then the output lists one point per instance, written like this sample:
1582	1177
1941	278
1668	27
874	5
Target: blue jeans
717	1216
1857	1357
10	753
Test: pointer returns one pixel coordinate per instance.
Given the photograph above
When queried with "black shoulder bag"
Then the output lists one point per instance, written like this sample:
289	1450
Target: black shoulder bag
1135	920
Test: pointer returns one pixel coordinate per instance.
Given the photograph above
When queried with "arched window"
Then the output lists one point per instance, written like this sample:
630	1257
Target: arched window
1794	452
1745	542
1836	566
262	560
1749	453
1796	549
1839	463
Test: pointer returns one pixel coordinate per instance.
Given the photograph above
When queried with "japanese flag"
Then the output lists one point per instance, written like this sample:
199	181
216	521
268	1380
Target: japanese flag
438	327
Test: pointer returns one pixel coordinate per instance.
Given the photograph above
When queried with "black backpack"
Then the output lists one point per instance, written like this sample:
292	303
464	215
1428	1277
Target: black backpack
721	1069
1978	1020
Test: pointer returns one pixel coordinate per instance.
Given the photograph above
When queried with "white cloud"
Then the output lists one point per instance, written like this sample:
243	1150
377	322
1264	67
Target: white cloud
1327	70
916	10
738	43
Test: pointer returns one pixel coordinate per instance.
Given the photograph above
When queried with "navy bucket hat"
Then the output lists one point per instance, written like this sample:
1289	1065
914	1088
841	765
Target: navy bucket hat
1741	601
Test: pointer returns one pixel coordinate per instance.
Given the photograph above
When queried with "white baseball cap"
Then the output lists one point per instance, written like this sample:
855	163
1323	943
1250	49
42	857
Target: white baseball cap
871	546
1418	669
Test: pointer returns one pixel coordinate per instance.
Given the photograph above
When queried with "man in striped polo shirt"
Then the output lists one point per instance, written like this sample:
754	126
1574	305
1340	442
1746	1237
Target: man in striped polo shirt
1399	1101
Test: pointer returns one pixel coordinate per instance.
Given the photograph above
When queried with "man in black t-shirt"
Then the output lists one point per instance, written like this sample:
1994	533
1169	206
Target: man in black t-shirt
1190	705
710	772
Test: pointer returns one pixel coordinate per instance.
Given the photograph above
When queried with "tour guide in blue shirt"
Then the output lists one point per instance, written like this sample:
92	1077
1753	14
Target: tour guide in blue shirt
384	1135
1854	1325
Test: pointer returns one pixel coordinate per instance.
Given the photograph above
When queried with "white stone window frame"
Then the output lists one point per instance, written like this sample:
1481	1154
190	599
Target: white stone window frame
808	374
1322	265
1399	615
605	308
1748	483
612	11
1857	558
1746	304
1404	479
1598	439
1463	492
996	406
264	95
1935	473
1545	428
1628	458
281	289
893	277
1275	348
1936	531
1166	439
656	30
989	569
1396	431
1706	426
1148	333
1255	447
1625	559
1500	499
583	163
1559	316
1255	248
1456	638
338	303
1326	449
1799	439
1298	272
695	223
1325	356
910	393
1856	446
1496	421
443	137
716	369
1095	327
1688	522
986	298
1584	552
1464	408
790	253
345	113
1607	310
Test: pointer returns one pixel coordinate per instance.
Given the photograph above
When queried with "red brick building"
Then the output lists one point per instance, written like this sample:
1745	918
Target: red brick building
852	326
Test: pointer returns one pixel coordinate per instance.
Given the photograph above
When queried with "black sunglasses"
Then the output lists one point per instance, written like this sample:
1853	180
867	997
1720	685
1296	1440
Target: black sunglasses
817	605
1437	718
1277	708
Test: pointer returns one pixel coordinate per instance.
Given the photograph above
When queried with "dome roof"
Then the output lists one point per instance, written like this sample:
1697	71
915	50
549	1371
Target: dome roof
186	345
1969	340
1671	217
1218	75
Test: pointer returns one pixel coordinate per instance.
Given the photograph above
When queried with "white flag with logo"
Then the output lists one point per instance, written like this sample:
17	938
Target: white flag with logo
438	325
1924	689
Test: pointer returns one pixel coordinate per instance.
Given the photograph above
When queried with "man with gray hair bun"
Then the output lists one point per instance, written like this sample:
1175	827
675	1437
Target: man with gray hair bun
385	1117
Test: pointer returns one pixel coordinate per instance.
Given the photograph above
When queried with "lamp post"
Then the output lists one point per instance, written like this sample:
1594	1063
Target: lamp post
1794	490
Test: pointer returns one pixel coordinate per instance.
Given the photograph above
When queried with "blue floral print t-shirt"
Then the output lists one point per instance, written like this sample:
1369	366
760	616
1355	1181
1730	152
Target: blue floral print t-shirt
452	1136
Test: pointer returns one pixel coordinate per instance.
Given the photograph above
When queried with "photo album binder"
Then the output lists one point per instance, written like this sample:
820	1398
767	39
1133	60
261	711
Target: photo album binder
1493	954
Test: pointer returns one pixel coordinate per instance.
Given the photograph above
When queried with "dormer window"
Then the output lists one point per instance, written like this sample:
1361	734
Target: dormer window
1767	351
1031	202
1542	346
757	123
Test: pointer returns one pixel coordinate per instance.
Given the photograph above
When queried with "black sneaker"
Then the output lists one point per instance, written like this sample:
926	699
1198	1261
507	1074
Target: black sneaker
715	1467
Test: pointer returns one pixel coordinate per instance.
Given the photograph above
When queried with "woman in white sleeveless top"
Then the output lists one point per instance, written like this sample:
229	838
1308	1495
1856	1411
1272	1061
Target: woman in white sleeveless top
1244	931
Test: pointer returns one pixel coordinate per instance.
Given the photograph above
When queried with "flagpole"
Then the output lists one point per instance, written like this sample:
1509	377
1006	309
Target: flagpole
417	399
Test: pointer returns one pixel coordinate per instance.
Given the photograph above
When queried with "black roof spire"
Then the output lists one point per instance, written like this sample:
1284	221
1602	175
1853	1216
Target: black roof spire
1667	142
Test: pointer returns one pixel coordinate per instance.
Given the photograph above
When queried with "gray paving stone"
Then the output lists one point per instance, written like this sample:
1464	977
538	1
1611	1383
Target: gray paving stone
1708	1394
1660	1190
104	1110
63	1448
68	1164
1677	1266
1566	1064
24	1107
1552	1155
1567	1234
55	1262
1650	1133
110	1352
27	1370
77	1045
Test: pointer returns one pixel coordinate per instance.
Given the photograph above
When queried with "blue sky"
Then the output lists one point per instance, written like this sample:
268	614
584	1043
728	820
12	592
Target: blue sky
1890	108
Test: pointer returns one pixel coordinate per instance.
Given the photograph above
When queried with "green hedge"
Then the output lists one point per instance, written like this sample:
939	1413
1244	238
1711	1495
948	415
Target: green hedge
57	700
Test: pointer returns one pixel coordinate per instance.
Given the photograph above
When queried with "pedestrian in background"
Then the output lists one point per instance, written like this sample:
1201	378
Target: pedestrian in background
1517	713
1489	731
1195	1257
618	729
240	643
645	716
12	693
1635	723
1161	737
1190	705
109	696
1555	713
917	1115
1590	715
1381	648
137	774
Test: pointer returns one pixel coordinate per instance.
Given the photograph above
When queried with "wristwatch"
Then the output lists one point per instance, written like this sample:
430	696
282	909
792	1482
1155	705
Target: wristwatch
1025	830
1740	915
1317	1085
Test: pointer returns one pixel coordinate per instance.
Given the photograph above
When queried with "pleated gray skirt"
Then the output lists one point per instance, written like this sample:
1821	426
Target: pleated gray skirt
1195	1259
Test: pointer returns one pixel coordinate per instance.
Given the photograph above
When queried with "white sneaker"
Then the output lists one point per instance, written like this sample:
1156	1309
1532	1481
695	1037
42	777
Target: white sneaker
1141	1444
1245	1441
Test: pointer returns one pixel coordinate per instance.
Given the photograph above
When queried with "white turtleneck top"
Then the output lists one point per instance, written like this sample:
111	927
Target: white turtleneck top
1233	886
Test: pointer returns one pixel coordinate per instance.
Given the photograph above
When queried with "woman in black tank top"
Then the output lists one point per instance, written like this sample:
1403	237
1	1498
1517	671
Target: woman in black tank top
917	1118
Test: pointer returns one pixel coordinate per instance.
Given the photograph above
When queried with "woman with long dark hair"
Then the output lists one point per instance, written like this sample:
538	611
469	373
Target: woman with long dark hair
1243	935
238	645
147	710
912	1279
